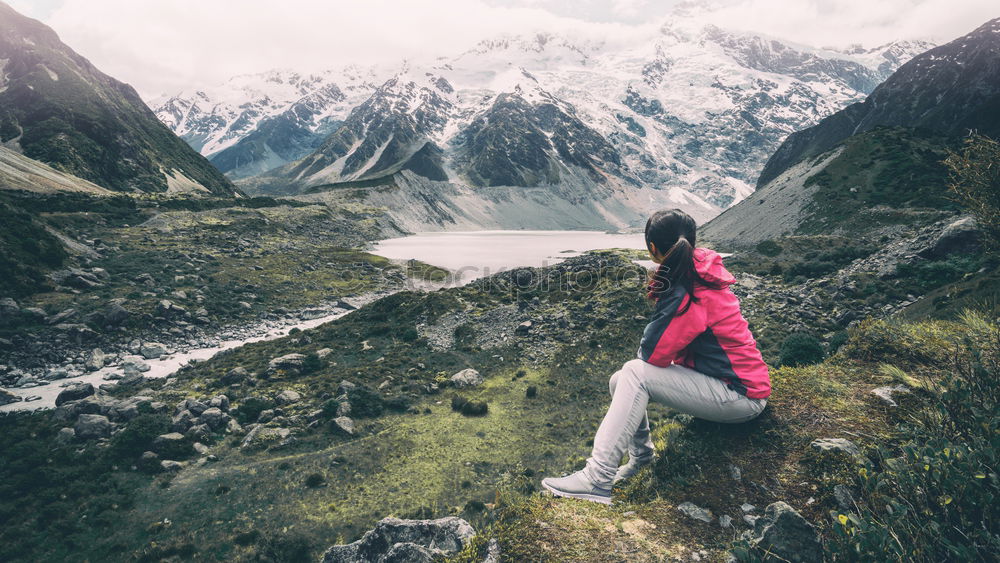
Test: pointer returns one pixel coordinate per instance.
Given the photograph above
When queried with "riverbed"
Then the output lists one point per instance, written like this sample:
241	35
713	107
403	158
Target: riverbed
469	255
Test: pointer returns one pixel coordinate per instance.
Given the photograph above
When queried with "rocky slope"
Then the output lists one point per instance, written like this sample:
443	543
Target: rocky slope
18	172
693	108
951	90
423	405
57	108
872	184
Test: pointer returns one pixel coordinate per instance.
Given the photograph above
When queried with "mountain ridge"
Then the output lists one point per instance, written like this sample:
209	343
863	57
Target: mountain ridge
936	105
638	98
59	109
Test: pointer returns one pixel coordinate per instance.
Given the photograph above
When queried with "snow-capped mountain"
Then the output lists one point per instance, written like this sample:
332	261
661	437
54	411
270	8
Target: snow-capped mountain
693	111
255	122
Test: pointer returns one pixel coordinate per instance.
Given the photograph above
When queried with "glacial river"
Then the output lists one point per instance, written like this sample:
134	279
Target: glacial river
470	255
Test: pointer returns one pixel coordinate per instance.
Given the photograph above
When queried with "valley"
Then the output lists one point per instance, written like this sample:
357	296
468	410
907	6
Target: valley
378	304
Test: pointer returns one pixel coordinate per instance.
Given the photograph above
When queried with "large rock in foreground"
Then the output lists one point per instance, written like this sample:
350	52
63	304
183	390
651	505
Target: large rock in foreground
395	540
782	531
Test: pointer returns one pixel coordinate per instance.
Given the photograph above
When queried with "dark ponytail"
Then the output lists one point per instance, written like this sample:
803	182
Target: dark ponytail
673	232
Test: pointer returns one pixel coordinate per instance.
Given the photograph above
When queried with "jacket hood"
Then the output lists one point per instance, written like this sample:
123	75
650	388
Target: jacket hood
708	263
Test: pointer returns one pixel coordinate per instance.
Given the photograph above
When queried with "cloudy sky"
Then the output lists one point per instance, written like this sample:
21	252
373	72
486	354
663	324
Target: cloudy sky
163	46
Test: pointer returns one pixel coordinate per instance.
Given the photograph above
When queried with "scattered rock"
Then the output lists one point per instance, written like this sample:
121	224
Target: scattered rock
467	378
92	427
263	437
287	397
725	521
152	350
785	533
95	360
134	364
885	393
395	540
65	436
836	444
171	466
220	402
734	472
287	362
845	499
170	442
694	511
961	236
74	392
236	375
344	424
6	397
214	418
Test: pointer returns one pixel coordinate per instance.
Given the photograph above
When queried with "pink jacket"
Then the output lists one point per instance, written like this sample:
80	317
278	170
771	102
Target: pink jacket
711	337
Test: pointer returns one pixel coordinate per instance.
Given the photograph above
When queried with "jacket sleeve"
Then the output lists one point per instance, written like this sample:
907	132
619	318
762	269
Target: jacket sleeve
667	333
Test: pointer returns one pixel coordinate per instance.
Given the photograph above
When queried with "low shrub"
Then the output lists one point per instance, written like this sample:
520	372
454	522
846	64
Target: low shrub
801	349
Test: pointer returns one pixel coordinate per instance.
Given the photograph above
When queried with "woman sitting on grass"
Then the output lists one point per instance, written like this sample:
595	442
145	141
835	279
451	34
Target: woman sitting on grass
697	356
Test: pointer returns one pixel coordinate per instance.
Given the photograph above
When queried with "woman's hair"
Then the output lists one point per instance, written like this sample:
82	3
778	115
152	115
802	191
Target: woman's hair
673	232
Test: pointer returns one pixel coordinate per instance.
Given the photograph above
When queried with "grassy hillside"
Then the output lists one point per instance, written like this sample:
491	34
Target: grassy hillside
61	110
414	455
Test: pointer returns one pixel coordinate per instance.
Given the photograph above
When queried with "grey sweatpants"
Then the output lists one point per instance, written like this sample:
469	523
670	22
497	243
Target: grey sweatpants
626	426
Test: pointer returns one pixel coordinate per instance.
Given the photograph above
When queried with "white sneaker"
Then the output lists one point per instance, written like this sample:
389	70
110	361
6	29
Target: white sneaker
578	486
633	466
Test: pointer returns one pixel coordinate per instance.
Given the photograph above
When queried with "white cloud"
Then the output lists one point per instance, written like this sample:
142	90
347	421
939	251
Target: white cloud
162	46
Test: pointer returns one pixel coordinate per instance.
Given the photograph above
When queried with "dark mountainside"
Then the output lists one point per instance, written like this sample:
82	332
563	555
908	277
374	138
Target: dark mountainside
57	108
952	90
418	424
515	142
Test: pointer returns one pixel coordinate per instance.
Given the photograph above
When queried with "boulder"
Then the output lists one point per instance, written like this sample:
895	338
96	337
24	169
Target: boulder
220	402
783	532
344	424
134	364
236	375
523	328
694	511
396	540
287	397
152	350
263	437
61	317
467	378
182	421
844	497
288	361
171	466
74	392
199	433
65	436
8	308
836	444
92	427
114	314
6	397
961	236
169	442
214	418
95	360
